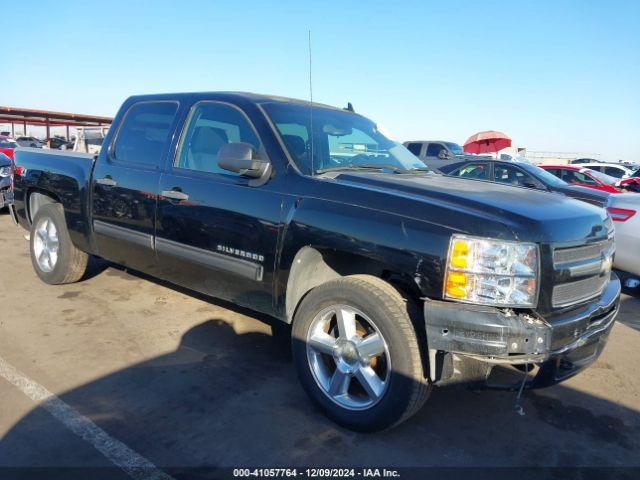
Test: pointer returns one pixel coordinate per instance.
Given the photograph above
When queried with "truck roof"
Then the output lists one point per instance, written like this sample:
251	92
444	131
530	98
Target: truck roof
233	96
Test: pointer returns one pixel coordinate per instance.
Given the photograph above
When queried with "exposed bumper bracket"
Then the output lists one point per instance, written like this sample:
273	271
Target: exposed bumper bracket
494	336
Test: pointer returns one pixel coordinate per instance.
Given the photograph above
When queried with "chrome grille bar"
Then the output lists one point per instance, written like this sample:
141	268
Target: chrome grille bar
586	252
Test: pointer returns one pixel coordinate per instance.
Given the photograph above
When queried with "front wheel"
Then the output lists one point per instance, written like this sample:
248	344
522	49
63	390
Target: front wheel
357	353
54	257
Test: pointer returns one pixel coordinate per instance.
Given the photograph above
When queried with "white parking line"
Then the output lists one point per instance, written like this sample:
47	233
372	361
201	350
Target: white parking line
117	452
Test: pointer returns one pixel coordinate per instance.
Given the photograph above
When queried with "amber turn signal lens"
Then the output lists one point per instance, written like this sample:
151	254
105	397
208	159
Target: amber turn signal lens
460	254
457	284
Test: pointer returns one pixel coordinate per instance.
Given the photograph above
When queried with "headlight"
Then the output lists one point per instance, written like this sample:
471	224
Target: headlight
5	171
492	272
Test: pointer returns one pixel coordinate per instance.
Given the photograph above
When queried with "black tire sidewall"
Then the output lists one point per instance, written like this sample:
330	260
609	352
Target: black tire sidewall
54	212
398	395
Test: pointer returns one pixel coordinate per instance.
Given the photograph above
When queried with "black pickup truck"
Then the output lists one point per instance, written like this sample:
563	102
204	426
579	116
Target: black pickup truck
392	278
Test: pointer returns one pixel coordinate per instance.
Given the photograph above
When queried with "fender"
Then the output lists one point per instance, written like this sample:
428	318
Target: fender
323	240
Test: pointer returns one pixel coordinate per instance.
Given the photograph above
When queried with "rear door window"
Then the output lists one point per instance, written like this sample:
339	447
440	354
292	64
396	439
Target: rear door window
512	175
572	176
476	171
415	148
614	172
145	133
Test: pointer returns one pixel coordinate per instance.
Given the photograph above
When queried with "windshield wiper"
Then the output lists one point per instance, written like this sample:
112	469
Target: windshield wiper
363	166
420	170
375	166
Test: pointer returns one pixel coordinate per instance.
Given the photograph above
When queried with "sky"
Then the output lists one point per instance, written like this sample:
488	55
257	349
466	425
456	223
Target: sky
554	75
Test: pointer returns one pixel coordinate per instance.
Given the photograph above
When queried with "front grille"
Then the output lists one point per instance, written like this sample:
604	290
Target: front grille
578	254
589	264
570	293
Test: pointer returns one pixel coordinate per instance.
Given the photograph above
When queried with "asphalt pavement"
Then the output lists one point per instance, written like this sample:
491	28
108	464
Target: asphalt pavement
184	381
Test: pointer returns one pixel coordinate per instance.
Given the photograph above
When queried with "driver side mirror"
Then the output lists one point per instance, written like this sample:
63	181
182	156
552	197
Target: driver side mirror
244	159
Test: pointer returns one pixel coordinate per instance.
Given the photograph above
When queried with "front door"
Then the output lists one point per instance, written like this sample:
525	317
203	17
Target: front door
125	183
215	233
436	156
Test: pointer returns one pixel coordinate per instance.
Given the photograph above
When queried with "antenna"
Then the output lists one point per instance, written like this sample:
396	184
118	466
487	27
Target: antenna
311	103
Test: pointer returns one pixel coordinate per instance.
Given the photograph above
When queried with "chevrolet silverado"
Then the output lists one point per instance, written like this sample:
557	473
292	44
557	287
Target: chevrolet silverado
392	278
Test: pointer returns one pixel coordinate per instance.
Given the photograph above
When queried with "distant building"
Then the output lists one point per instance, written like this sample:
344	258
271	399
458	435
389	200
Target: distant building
558	158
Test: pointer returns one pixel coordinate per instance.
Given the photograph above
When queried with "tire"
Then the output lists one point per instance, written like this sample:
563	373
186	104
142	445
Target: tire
402	386
66	263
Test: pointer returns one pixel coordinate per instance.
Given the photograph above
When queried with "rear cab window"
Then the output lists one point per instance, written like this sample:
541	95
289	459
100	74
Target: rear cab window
145	133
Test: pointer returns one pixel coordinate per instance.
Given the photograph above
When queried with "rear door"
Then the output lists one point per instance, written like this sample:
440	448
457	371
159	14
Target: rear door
125	184
215	233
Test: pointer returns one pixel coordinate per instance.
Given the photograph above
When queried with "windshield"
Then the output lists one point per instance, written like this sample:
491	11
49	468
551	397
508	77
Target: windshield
455	148
542	175
603	177
341	139
8	144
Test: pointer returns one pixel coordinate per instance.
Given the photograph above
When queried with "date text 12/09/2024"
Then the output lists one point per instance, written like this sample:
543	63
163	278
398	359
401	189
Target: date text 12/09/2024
316	473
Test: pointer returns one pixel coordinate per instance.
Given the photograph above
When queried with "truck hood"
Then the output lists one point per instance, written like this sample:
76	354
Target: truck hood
482	208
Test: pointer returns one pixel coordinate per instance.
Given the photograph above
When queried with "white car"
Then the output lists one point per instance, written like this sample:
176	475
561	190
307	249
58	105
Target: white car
613	169
89	139
625	212
29	142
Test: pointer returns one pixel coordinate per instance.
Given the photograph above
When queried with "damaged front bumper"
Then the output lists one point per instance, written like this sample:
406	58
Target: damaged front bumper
6	200
467	341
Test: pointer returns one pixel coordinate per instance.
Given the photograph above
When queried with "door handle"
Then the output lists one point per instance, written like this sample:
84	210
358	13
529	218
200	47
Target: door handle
174	194
106	181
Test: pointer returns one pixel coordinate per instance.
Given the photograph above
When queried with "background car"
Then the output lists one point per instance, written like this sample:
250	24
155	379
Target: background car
58	143
438	153
29	142
7	146
630	184
6	166
611	169
584	177
522	174
584	160
625	212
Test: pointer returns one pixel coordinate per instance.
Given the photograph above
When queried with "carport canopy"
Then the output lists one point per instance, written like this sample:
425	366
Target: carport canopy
27	116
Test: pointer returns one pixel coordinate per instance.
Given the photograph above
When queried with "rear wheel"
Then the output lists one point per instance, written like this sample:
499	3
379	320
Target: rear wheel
357	353
55	259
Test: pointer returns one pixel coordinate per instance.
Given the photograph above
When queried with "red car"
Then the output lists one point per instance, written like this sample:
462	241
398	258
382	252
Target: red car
631	184
7	145
577	175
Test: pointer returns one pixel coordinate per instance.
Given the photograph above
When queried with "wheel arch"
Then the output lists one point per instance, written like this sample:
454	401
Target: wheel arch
313	266
36	199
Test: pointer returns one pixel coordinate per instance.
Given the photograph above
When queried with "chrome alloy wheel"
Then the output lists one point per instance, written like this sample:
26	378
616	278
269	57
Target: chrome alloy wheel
46	244
348	357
